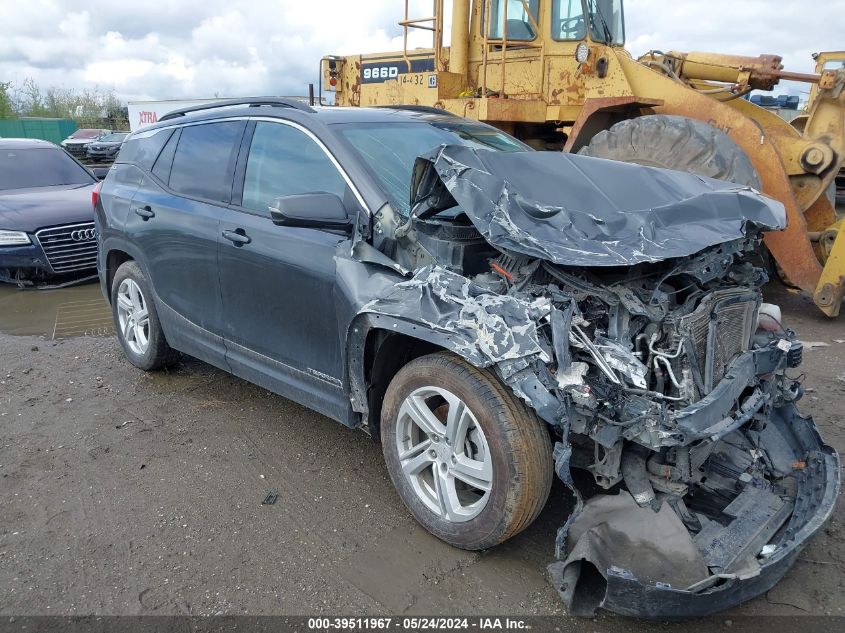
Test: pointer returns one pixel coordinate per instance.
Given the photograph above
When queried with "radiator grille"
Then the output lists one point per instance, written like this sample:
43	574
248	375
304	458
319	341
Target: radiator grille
70	248
719	330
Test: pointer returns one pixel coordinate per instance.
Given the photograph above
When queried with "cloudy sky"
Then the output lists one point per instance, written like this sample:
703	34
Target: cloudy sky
171	49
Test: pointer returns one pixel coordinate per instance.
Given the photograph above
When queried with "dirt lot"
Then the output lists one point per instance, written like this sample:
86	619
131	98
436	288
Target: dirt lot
132	493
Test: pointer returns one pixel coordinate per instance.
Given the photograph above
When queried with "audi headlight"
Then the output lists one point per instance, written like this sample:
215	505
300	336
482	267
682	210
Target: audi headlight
14	238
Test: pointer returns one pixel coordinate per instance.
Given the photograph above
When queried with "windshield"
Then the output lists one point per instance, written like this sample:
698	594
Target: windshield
606	21
390	150
40	167
834	64
114	138
86	134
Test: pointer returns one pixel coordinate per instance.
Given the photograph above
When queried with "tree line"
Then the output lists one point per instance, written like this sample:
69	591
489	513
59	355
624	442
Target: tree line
89	107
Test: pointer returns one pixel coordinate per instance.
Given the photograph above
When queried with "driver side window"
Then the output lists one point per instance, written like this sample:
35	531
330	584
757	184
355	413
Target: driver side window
284	161
520	24
568	20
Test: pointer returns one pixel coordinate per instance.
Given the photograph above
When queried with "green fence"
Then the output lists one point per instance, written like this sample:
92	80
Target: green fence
53	130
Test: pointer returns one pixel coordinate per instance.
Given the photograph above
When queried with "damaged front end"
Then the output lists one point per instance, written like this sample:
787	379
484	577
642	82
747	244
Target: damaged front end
709	481
632	322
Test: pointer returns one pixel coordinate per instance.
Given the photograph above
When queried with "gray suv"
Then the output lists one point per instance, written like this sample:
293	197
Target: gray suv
495	316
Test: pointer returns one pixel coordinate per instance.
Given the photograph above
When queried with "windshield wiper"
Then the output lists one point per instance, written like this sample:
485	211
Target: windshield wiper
608	36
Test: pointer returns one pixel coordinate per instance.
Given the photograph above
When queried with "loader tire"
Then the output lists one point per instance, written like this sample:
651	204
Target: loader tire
675	142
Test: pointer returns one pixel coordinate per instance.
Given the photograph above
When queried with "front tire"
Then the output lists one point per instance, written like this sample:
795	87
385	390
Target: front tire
471	462
136	320
675	142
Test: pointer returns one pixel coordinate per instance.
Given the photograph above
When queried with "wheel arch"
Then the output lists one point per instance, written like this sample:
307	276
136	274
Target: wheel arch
115	250
602	113
378	346
114	259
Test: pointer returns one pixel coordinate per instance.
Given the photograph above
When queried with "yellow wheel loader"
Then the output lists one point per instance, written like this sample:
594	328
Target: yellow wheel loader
555	74
826	61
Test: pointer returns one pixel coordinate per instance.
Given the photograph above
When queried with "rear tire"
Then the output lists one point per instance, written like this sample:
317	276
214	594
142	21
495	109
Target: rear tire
675	142
498	500
136	320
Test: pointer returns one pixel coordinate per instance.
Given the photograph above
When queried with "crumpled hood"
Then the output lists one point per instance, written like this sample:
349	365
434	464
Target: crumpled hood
580	211
32	209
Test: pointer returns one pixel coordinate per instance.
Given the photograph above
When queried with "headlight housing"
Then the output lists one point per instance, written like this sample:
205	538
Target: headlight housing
14	238
582	52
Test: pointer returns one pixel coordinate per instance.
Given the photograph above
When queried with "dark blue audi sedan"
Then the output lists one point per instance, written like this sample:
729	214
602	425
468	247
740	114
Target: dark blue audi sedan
46	217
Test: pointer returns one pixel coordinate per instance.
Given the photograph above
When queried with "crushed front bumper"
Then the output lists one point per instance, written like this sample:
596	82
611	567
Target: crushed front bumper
588	577
818	488
29	258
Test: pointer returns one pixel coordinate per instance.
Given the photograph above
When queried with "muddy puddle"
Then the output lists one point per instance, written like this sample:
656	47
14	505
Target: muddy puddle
55	314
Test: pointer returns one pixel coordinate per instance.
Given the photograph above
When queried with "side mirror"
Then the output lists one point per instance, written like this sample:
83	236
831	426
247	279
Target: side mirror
311	210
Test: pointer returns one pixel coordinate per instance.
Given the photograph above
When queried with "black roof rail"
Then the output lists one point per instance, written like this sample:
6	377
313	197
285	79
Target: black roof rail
252	102
418	108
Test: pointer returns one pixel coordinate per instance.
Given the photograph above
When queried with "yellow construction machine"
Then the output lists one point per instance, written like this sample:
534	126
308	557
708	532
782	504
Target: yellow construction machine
555	74
826	61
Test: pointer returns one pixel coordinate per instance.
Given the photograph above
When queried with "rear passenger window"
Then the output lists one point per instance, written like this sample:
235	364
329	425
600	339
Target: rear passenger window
284	161
165	159
203	165
142	147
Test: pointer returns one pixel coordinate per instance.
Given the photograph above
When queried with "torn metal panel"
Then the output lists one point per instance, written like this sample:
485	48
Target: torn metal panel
612	531
523	380
580	211
635	561
487	327
755	515
563	469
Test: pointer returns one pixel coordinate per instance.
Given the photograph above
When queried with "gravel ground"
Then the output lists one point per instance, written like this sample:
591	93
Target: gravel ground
131	493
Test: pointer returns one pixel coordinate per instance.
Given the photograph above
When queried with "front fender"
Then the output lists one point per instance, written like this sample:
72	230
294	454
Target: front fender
359	332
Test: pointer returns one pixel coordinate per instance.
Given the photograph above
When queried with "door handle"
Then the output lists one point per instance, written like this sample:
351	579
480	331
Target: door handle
145	212
237	237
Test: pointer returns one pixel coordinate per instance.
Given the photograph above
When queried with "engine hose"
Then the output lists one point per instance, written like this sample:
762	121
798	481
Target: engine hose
634	474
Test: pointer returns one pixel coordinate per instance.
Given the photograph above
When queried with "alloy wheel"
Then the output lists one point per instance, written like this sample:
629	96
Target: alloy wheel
444	454
133	316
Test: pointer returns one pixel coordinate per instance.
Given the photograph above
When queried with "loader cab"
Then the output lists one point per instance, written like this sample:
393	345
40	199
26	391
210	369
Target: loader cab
828	61
601	21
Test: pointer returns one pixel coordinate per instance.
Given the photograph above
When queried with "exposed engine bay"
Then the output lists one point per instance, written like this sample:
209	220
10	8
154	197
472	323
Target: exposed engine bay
664	377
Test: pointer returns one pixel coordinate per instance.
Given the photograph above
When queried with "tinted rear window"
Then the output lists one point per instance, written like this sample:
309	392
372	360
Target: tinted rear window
143	148
161	168
203	166
39	167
